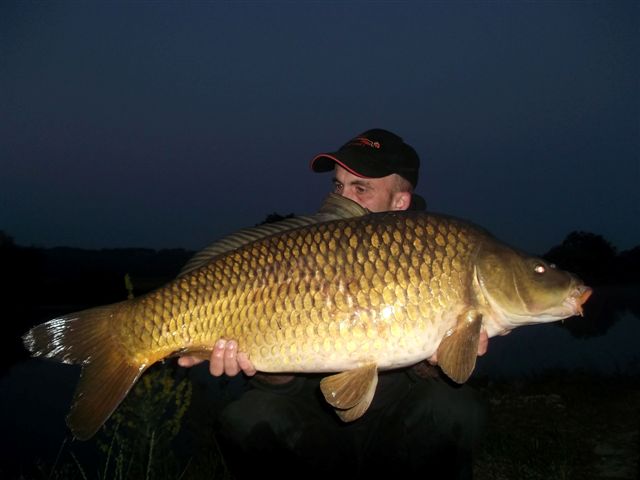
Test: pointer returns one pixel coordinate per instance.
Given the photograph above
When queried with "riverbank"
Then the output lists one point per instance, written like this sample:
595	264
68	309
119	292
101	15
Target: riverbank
562	426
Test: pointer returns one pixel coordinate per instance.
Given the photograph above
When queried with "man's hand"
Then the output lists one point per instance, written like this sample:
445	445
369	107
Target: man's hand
483	345
225	359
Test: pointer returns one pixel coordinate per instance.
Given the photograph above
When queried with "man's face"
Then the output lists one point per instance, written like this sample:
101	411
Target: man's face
374	194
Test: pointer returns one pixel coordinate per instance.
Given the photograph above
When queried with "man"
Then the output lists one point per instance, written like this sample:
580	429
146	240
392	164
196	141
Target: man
418	422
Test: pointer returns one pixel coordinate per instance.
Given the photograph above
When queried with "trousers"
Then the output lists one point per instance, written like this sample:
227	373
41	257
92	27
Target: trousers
414	426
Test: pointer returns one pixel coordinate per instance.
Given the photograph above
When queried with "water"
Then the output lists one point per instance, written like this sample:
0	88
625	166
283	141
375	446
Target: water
535	349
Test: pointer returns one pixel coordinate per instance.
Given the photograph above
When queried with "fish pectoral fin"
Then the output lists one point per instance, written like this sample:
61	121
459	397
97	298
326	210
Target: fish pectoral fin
351	392
458	350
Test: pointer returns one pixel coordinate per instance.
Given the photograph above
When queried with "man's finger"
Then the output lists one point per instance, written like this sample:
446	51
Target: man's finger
216	364
231	367
433	359
245	365
188	361
483	343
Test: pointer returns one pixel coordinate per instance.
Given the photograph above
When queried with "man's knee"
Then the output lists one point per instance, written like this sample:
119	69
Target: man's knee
455	411
256	412
282	434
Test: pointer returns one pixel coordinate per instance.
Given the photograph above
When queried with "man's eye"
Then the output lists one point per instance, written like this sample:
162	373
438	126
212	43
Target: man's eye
337	188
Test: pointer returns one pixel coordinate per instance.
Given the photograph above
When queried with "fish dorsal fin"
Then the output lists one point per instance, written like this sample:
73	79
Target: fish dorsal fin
338	206
334	207
458	350
351	392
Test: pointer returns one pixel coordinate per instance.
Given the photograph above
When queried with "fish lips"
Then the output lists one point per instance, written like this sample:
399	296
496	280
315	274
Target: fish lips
577	299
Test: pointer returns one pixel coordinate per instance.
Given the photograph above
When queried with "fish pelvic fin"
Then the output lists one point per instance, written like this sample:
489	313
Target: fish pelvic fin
87	338
351	392
458	350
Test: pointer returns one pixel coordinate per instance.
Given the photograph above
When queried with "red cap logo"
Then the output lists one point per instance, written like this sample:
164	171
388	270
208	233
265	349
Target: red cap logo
364	142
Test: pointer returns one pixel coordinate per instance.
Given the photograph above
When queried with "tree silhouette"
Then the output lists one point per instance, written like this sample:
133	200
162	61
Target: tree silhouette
20	279
612	277
588	255
275	217
6	241
627	266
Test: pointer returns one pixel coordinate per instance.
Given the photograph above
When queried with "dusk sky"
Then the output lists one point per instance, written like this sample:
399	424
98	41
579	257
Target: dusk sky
170	124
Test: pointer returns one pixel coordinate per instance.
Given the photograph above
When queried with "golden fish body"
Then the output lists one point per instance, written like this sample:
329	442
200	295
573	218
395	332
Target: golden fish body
328	297
354	294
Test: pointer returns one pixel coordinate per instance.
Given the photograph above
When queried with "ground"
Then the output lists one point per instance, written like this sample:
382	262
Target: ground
562	427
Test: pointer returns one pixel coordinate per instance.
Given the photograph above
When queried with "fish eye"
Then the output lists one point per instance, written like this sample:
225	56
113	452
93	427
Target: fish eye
539	268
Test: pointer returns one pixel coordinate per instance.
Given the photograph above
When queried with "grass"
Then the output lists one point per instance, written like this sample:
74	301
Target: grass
562	426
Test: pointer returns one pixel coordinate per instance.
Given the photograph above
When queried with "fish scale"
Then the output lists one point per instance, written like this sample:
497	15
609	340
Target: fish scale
343	291
362	295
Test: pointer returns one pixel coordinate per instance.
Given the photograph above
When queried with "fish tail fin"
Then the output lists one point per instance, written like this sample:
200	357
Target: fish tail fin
87	338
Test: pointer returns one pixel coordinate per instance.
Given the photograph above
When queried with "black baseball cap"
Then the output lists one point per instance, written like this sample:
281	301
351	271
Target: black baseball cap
375	153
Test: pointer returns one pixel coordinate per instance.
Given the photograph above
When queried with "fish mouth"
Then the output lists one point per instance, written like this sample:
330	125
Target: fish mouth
577	299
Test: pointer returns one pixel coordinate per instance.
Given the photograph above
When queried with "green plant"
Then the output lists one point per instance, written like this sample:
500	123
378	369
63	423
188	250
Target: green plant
137	442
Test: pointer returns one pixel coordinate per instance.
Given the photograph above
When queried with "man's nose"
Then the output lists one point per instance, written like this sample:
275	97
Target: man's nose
348	194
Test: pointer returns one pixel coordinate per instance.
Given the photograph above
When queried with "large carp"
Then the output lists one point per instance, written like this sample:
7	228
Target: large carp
344	291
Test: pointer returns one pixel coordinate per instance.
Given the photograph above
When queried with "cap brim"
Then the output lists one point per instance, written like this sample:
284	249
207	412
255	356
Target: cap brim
358	165
324	162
